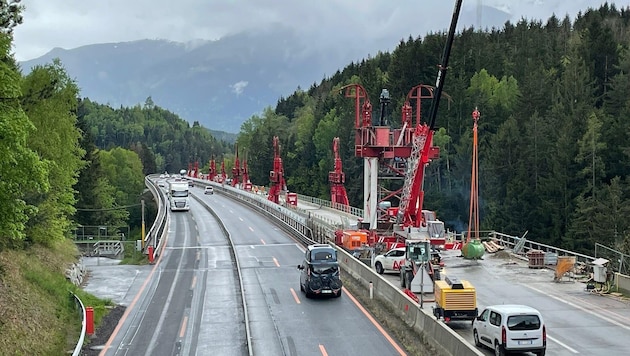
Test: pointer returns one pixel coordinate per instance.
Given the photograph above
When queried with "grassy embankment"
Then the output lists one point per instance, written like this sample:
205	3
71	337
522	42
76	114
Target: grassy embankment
38	315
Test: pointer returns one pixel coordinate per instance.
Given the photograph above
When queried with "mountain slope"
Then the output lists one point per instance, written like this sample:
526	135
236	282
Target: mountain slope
218	83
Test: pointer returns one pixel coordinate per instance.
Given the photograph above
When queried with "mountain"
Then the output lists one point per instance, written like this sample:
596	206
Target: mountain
218	83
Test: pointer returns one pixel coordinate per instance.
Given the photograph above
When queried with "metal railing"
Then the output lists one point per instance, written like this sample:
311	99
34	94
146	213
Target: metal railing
618	260
156	231
108	248
527	245
79	346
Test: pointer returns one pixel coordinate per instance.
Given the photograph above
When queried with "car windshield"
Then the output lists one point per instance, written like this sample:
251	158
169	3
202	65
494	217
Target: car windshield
325	256
523	322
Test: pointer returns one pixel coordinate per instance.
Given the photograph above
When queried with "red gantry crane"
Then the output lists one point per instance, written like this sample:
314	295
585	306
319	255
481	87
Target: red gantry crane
247	184
212	171
236	170
276	176
223	176
337	178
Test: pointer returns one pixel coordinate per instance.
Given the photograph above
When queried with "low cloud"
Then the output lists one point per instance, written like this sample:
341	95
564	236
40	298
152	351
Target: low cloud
239	87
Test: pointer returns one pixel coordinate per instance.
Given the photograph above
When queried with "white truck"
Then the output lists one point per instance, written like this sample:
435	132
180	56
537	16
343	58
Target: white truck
178	195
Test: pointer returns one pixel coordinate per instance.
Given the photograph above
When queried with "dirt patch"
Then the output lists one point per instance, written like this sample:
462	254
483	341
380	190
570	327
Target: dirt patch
104	331
412	342
502	255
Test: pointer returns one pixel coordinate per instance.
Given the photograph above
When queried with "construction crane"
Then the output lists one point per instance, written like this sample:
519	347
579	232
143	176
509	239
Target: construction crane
236	169
417	227
247	184
276	175
212	171
473	249
223	176
337	178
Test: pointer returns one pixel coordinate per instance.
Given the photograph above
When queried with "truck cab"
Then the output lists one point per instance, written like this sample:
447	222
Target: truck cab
178	196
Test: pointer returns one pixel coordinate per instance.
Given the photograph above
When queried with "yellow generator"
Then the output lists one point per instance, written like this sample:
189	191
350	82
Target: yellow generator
455	300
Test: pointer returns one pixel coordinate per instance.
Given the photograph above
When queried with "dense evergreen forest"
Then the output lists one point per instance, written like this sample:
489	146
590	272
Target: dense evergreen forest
554	130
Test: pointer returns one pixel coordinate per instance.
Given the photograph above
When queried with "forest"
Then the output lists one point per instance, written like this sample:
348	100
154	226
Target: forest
554	146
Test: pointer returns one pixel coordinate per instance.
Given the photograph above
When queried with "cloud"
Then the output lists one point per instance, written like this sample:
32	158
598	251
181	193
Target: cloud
239	87
367	23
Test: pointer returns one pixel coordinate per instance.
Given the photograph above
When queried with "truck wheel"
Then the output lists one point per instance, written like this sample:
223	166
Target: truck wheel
379	268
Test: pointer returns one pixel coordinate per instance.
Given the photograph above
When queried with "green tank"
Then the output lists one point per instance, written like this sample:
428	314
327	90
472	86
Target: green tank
473	250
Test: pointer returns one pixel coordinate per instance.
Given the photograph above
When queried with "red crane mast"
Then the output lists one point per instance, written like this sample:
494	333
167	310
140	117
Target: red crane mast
212	171
276	176
236	170
337	178
223	175
247	184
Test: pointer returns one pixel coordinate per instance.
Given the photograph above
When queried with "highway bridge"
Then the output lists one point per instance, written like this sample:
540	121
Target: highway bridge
225	283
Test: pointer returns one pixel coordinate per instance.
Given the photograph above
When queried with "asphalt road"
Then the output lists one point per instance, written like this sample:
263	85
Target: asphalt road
168	318
190	304
578	322
283	321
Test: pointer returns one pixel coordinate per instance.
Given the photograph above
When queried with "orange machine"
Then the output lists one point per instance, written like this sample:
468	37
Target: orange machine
352	240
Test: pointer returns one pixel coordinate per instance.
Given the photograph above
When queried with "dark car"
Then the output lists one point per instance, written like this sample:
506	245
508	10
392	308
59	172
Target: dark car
319	272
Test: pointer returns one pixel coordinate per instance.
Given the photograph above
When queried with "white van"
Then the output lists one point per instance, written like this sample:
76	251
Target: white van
509	328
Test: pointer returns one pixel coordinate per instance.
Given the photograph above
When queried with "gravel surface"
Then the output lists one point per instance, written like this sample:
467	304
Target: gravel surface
104	331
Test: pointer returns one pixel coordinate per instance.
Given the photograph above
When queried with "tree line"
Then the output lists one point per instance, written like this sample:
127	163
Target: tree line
553	151
67	162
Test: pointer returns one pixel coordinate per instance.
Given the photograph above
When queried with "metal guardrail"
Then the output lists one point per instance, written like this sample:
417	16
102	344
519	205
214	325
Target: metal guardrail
511	241
79	346
153	237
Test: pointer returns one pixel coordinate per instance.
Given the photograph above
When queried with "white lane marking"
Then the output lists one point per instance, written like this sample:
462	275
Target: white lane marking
562	344
250	229
581	308
241	219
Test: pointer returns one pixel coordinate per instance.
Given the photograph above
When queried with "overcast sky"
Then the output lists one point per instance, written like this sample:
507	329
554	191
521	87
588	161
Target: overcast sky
74	23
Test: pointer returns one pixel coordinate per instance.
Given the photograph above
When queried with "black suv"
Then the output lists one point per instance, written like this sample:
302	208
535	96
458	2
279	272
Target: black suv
320	271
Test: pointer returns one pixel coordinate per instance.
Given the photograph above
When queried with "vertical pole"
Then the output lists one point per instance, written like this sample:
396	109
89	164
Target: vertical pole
422	286
150	253
143	236
371	290
89	321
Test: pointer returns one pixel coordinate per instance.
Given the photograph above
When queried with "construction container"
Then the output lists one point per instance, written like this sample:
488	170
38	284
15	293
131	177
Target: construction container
536	259
551	259
564	265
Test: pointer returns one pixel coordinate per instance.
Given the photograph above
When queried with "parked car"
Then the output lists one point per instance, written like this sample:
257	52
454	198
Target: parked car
391	261
319	272
208	190
511	328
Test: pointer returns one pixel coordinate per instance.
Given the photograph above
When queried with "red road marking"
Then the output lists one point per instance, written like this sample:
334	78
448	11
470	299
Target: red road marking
297	300
375	323
133	303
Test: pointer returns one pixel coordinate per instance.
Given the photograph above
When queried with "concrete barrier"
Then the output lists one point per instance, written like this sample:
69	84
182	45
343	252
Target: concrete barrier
622	283
437	335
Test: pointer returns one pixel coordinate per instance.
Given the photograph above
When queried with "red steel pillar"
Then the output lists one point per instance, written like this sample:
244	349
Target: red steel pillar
89	321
